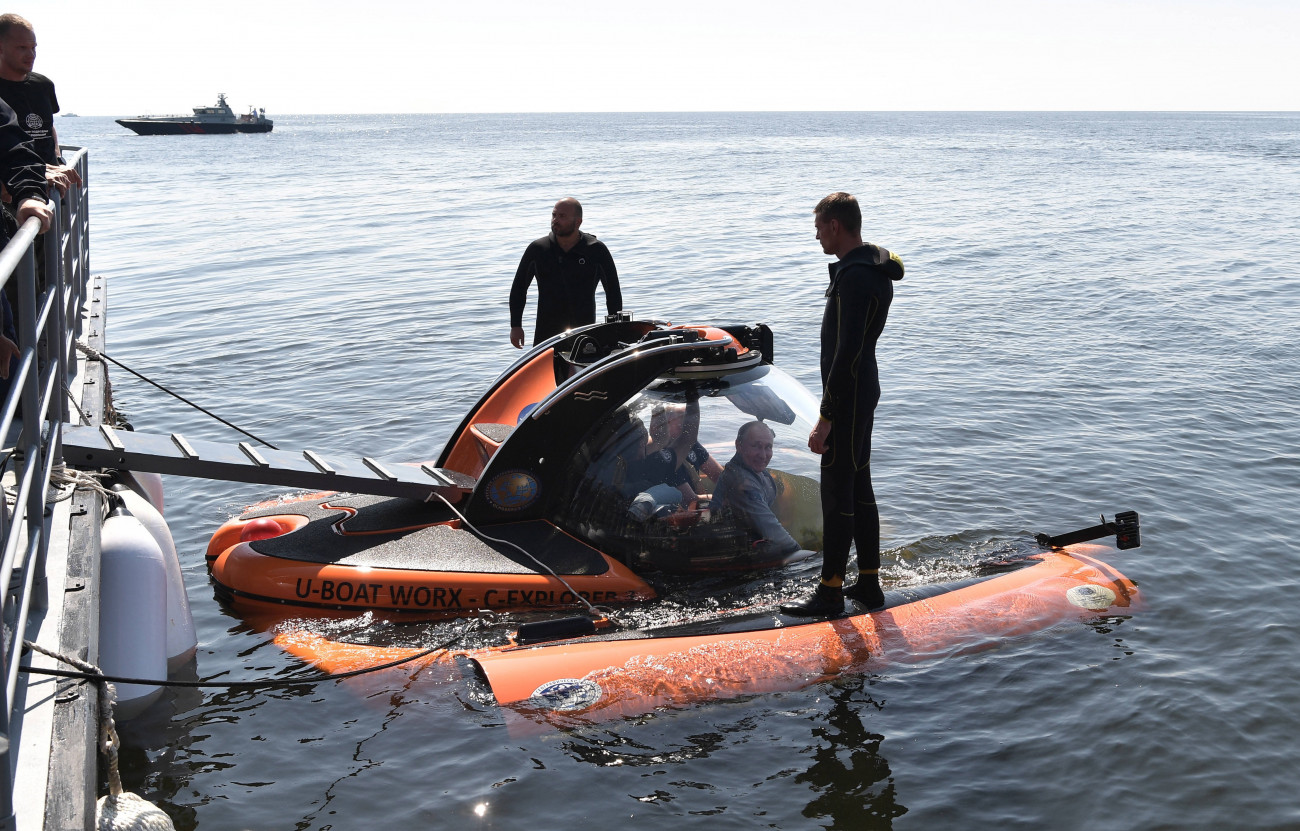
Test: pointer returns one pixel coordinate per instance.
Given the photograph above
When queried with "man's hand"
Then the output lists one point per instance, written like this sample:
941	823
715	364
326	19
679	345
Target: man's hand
8	351
62	177
517	337
817	438
35	207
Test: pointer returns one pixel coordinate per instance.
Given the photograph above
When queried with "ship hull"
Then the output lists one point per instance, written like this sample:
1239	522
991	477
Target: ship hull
150	127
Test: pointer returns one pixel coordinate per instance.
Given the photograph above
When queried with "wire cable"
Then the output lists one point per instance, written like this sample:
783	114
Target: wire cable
97	355
602	612
92	673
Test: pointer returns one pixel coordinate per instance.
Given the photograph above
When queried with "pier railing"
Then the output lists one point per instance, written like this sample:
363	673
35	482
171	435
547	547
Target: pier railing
47	276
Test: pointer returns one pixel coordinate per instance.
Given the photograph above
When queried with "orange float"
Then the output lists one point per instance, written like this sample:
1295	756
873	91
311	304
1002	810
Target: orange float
621	674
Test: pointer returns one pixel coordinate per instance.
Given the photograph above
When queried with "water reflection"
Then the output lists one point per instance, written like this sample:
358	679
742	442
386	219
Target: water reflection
852	780
700	772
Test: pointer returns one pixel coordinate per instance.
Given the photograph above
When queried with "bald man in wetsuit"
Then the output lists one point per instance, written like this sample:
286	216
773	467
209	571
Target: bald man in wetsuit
567	265
857	303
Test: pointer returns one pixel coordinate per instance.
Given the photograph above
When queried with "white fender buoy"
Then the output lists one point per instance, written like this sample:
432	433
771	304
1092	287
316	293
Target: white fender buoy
181	639
132	609
147	484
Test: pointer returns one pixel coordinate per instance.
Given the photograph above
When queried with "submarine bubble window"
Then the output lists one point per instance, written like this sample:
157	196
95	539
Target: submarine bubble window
660	483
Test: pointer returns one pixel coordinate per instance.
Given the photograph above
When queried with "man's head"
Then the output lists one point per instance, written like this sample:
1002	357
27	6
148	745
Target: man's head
17	47
754	445
839	224
566	217
667	422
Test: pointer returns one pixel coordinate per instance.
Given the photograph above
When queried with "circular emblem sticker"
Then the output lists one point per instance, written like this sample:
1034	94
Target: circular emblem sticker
566	695
1091	597
513	490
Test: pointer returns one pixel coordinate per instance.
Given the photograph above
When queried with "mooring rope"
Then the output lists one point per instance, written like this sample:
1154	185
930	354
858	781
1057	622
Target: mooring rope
100	356
108	740
92	673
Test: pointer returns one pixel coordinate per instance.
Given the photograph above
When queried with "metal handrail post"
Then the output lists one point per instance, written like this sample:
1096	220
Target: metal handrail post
56	328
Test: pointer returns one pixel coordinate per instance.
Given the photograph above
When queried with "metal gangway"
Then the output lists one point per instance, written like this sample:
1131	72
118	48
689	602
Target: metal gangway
103	447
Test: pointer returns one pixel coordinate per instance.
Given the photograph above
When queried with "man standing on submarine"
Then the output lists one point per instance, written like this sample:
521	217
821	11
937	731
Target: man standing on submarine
857	304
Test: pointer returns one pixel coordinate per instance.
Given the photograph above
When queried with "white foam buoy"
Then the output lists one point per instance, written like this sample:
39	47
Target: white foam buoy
132	609
181	638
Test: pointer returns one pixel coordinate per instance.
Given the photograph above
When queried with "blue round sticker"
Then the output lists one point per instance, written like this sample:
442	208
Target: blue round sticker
513	490
566	695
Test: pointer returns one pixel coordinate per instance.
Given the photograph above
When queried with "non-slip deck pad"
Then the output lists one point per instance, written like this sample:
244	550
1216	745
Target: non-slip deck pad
373	537
372	513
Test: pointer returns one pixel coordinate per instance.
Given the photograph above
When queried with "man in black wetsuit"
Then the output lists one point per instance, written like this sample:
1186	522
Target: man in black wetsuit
568	265
858	297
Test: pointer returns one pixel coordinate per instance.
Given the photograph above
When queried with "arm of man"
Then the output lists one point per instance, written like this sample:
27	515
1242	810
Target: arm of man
21	170
8	351
749	501
817	438
856	306
519	295
609	280
711	469
61	177
38	207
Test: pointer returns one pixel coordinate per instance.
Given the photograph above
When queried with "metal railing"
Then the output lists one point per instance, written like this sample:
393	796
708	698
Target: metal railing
47	315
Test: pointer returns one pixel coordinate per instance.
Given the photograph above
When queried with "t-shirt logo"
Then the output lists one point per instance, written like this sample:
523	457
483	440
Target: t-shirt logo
34	121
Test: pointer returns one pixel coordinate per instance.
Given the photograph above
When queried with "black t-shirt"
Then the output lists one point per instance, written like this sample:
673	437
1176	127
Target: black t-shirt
661	466
35	104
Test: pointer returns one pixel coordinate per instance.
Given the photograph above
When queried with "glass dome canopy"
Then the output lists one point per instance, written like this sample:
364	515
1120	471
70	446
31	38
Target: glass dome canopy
660	484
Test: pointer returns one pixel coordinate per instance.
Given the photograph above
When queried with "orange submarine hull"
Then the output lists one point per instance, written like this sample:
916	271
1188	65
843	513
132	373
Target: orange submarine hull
270	557
628	674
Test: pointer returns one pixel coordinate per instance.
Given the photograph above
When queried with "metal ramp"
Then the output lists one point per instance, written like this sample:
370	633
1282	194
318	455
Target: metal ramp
103	447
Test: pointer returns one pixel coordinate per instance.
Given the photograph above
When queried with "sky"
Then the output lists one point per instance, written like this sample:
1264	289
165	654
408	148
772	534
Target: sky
393	56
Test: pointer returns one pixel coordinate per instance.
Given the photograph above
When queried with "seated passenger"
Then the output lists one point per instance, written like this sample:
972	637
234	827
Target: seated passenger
748	489
661	479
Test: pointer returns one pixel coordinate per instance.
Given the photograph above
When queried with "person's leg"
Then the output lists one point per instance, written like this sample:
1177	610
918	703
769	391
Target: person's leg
866	537
837	534
647	503
837	522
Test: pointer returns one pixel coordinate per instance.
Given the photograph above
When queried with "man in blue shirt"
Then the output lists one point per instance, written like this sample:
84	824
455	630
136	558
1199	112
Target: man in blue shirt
748	490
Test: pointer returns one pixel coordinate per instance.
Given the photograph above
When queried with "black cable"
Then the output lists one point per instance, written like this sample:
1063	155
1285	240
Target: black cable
272	682
181	398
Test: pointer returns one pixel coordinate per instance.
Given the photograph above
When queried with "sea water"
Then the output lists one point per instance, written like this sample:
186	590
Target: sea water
1101	313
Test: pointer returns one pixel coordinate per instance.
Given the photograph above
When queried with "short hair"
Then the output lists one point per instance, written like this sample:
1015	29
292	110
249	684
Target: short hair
662	408
10	21
843	208
748	426
577	206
